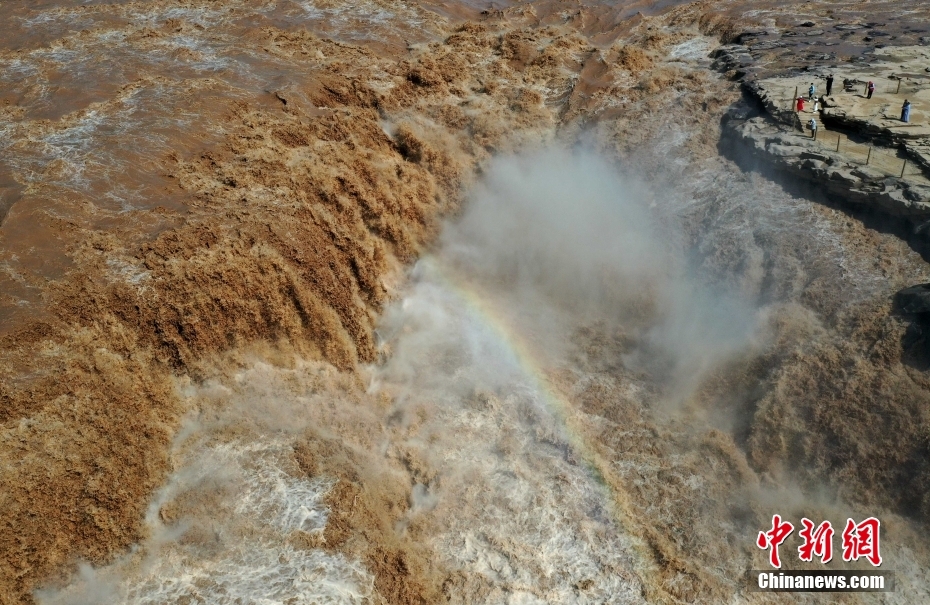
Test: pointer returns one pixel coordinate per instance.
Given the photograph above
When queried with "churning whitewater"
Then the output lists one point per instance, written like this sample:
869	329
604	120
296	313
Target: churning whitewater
442	302
500	478
552	287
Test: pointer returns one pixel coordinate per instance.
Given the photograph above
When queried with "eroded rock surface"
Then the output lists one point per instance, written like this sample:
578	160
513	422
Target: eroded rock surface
775	132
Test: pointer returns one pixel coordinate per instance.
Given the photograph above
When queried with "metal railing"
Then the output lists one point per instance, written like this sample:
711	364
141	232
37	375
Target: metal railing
889	88
878	158
903	86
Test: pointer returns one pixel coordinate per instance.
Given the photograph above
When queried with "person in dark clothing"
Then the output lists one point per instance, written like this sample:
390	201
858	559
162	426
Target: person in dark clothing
829	84
871	89
906	111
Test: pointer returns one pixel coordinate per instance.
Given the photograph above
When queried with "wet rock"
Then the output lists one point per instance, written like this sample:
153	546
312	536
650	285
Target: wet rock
867	174
914	304
745	36
768	45
844	177
894	202
914	299
790	152
815	166
774	105
919	192
812	155
781	151
731	57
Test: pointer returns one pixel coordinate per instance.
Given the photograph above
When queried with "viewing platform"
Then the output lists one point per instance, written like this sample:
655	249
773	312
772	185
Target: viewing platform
863	154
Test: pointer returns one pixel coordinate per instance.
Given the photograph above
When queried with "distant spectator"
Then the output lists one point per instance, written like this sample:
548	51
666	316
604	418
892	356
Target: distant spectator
829	84
812	124
811	92
906	111
871	89
800	104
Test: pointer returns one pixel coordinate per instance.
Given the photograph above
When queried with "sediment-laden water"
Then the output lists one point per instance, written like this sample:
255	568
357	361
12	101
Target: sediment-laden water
407	303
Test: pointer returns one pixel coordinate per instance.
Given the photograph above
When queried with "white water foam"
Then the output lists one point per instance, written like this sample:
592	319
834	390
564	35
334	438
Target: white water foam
235	551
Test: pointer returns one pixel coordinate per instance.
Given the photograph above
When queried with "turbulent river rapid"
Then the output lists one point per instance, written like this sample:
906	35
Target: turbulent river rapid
382	302
561	327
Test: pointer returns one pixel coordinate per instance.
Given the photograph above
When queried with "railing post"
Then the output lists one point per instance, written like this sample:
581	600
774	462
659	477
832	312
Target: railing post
903	166
868	157
838	142
899	87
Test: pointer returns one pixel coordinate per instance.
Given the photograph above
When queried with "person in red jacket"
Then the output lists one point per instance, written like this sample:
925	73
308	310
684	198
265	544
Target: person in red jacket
800	103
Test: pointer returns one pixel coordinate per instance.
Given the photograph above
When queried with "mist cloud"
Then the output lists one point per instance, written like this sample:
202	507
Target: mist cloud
459	412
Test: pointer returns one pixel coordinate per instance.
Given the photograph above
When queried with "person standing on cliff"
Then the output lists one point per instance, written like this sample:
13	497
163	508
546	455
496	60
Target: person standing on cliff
829	84
811	92
812	124
906	111
871	89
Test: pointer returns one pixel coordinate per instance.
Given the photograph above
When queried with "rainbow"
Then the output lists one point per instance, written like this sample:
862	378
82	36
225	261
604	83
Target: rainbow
482	308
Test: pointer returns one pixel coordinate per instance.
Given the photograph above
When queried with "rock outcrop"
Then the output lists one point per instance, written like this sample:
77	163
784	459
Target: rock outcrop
836	174
767	127
915	299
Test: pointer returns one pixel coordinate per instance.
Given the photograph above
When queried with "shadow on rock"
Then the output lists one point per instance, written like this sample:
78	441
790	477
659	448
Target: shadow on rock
913	304
800	183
